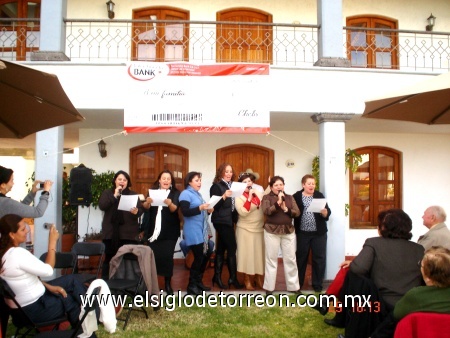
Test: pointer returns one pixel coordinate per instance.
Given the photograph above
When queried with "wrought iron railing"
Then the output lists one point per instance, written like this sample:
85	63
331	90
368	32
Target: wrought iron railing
289	45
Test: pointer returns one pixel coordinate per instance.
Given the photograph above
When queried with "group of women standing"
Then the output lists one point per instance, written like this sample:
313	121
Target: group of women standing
263	220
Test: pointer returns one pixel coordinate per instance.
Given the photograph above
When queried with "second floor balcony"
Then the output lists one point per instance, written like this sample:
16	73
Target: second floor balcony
283	45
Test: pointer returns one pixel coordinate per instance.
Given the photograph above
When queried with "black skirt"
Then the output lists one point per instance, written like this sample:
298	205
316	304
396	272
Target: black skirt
163	250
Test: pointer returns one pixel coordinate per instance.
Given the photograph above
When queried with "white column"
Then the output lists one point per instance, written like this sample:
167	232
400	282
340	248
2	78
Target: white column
331	34
53	32
50	142
332	183
49	145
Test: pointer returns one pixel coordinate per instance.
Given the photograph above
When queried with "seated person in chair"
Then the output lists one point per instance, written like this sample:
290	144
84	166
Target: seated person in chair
42	301
435	296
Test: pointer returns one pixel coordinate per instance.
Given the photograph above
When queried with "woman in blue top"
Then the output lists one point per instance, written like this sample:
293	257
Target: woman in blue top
195	229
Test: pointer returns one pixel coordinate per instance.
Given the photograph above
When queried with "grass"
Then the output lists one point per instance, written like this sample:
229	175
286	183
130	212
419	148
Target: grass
253	321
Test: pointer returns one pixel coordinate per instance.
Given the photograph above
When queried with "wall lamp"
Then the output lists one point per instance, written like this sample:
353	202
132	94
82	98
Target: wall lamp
431	21
102	148
110	8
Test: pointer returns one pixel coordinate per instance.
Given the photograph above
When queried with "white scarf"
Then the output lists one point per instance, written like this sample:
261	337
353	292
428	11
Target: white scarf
157	230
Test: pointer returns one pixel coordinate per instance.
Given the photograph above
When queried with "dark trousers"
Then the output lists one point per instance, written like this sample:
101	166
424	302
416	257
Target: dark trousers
318	246
51	306
199	257
226	240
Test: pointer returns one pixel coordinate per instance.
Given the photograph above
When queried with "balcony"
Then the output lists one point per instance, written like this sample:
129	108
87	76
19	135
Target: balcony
283	45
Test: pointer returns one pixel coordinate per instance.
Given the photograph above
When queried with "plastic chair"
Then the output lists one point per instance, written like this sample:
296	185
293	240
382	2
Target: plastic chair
22	321
93	253
424	325
77	329
63	260
125	285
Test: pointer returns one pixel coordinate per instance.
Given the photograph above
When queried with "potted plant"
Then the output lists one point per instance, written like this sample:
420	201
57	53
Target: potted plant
100	182
93	236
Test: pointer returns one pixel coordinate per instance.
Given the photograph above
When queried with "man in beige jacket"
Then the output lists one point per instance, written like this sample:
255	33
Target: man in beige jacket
438	233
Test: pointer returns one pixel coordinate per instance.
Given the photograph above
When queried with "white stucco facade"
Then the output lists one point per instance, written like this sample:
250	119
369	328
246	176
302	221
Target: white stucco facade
294	94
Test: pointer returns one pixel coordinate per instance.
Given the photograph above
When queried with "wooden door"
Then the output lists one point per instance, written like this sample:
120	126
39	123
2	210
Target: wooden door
243	40
162	41
148	160
248	156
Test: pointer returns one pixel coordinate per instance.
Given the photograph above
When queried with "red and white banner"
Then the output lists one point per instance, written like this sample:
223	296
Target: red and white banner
190	98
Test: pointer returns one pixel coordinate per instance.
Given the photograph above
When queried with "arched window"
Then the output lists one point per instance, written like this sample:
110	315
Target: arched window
148	160
160	42
372	48
20	38
244	42
375	186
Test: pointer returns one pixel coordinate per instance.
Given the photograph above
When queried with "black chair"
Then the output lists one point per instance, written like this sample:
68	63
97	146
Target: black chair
125	285
89	259
65	261
77	329
25	326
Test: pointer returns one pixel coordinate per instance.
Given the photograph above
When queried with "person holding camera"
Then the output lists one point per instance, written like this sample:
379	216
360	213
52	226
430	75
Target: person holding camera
279	209
23	208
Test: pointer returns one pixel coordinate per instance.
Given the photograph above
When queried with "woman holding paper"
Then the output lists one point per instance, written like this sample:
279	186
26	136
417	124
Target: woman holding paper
195	211
311	230
161	225
120	224
223	218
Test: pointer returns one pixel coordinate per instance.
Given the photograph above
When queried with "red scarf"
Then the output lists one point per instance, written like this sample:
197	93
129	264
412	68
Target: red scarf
255	200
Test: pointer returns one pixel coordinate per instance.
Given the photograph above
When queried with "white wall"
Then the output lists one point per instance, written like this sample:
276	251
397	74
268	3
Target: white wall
425	166
425	177
411	14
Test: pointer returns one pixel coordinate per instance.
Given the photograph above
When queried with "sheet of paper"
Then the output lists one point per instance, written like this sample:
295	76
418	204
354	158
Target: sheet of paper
317	204
238	188
158	196
127	202
213	201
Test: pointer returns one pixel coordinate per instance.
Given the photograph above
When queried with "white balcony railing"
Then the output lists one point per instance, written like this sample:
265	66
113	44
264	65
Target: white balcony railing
206	42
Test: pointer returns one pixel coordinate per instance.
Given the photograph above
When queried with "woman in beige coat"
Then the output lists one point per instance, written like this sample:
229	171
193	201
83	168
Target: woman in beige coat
250	233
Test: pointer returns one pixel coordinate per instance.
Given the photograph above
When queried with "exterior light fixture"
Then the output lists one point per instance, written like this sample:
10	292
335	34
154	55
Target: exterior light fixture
431	21
102	148
110	8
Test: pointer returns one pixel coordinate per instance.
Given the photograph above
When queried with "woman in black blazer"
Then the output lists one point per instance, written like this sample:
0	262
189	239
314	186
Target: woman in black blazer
223	220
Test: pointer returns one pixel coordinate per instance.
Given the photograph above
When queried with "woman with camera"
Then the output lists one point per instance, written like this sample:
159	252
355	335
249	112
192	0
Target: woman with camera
23	209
